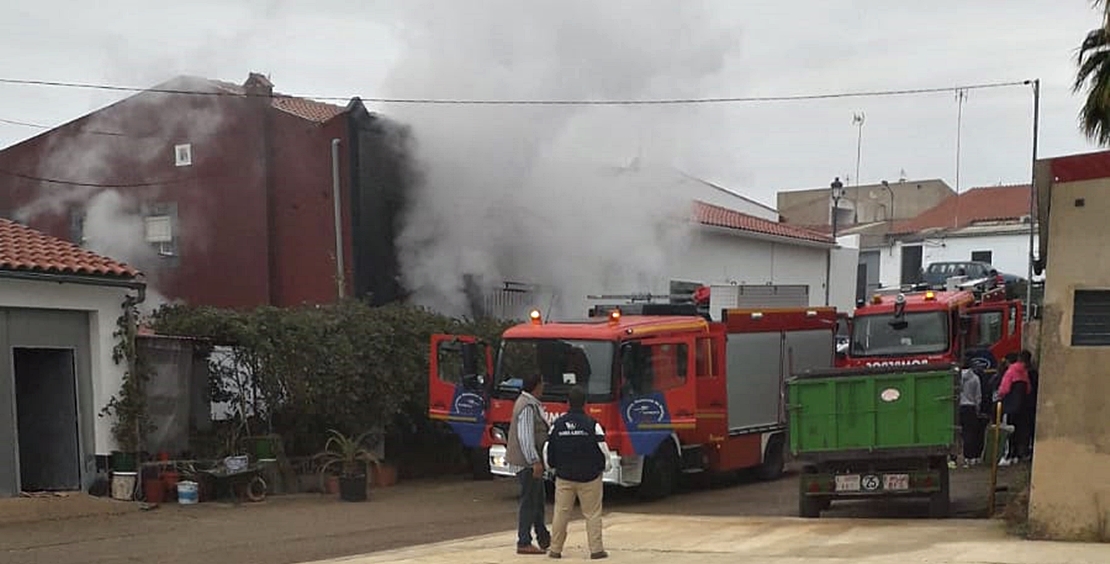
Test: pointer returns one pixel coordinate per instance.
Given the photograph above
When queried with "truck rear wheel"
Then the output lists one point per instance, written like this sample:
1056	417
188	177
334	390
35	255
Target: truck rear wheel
939	501
774	460
660	473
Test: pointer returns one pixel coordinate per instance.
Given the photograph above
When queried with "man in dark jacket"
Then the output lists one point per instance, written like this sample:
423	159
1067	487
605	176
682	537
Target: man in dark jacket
577	452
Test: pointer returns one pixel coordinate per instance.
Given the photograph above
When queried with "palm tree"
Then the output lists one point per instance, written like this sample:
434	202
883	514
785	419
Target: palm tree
1094	77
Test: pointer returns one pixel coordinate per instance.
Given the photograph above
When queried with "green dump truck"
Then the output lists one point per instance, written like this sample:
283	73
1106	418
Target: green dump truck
872	433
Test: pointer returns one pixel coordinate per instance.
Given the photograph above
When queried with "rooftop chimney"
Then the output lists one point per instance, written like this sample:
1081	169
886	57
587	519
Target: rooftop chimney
258	84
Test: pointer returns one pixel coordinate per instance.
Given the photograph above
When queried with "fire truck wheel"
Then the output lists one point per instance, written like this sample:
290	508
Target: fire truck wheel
479	464
774	460
660	473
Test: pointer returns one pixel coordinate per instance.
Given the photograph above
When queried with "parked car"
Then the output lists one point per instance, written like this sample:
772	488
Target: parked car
937	273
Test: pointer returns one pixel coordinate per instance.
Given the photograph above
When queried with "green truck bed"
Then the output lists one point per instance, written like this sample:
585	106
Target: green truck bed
873	433
845	412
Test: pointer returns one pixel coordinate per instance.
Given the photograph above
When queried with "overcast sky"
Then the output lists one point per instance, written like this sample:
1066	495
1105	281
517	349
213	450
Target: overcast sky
728	48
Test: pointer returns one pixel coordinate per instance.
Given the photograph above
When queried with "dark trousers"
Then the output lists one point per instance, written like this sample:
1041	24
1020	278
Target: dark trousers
531	515
1021	437
971	431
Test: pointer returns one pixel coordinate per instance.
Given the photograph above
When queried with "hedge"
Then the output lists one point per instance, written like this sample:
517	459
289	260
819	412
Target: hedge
347	366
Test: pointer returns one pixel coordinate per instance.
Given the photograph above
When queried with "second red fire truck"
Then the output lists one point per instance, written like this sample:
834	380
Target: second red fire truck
901	328
676	392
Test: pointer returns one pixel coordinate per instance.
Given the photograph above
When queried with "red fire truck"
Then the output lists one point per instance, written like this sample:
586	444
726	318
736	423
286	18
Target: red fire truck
924	326
676	393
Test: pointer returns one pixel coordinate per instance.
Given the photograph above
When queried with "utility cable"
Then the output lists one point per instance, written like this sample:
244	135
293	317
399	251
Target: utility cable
96	184
41	126
519	102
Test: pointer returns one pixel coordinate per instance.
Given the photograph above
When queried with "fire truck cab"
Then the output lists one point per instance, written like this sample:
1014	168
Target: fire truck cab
915	326
676	392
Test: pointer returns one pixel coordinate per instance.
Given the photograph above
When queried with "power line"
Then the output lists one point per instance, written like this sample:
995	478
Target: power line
41	126
23	123
94	184
539	102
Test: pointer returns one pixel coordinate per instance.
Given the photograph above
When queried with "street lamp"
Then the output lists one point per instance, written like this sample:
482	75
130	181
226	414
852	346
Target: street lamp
886	186
837	189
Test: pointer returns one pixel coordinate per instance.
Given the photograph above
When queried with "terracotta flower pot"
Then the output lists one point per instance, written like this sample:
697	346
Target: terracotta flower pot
331	485
170	480
384	475
154	490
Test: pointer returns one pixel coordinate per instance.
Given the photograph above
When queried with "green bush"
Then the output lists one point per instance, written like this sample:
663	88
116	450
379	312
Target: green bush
305	370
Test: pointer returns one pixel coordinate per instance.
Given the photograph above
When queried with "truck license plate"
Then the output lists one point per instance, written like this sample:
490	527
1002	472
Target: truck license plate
847	483
896	482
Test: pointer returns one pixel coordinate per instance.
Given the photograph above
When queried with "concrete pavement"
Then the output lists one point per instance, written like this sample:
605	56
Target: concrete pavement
713	540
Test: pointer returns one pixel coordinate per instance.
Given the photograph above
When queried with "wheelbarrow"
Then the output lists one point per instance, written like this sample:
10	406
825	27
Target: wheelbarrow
237	478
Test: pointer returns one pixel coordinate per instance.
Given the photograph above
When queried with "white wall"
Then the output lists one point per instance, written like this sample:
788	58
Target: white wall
104	305
1010	254
890	265
716	256
843	270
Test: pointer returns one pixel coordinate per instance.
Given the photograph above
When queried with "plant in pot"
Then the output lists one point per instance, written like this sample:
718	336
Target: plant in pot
351	457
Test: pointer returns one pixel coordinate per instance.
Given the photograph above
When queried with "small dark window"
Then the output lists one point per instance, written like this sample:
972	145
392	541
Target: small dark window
981	256
1080	202
1090	321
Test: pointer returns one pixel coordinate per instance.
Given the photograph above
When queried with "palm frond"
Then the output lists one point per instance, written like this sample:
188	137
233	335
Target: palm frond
1091	64
1096	39
1094	116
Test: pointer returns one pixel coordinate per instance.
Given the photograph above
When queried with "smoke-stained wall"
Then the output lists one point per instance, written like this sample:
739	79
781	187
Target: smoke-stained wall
252	214
381	179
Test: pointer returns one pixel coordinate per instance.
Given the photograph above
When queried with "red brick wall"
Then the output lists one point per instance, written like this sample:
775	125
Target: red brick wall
221	200
304	226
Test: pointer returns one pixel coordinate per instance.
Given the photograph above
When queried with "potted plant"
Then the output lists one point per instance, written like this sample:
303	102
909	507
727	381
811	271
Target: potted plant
352	458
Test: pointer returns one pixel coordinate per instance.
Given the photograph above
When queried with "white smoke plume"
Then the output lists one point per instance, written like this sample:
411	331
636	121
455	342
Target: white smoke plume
566	196
114	228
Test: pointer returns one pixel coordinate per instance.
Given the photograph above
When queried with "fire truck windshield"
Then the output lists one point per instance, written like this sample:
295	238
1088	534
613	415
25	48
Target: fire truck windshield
924	333
561	362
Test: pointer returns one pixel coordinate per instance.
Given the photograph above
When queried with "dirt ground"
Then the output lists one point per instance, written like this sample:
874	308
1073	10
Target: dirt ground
299	528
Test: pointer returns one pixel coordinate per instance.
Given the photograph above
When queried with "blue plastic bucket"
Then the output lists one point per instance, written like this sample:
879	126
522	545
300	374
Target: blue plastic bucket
186	493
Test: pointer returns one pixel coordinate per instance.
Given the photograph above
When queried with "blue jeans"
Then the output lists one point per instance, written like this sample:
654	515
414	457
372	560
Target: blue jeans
531	514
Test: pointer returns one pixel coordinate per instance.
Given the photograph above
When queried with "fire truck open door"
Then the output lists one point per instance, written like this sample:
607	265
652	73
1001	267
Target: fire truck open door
460	379
990	332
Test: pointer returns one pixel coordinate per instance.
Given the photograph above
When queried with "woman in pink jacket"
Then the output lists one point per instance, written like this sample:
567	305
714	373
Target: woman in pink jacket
1013	392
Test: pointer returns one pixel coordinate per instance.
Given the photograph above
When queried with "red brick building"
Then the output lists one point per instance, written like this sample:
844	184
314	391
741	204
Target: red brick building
222	193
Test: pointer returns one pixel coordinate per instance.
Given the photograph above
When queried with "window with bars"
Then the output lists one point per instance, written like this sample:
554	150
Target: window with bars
1090	321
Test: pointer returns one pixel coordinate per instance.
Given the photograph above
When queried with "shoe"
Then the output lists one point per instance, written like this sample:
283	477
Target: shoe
599	555
544	545
554	555
529	549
